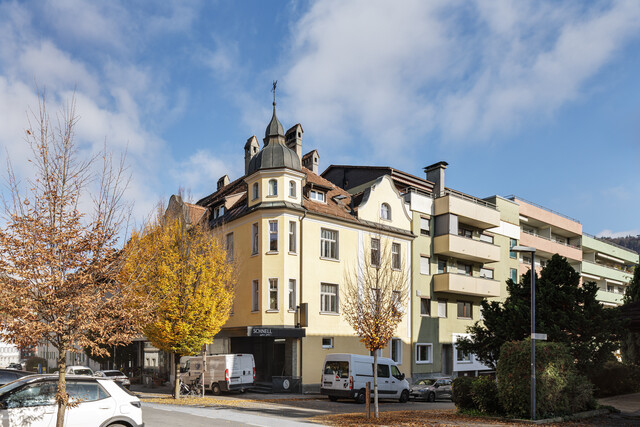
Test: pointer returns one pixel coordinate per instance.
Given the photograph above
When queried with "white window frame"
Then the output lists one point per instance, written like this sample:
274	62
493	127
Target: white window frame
465	360
425	226
385	212
443	306
318	196
425	265
292	295
335	296
273	187
396	341
429	347
375	259
330	345
327	243
396	256
486	273
292	237
292	188
256	191
272	281
255	296
511	274
273	232
255	242
428	314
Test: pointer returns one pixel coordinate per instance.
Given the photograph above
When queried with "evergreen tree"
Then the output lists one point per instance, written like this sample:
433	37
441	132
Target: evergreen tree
566	311
630	346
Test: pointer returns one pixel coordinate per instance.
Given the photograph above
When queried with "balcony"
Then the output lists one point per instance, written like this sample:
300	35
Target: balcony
548	247
464	248
475	212
466	285
605	272
610	298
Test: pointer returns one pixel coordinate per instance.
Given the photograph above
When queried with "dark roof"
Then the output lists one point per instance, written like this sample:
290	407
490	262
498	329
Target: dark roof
274	155
274	128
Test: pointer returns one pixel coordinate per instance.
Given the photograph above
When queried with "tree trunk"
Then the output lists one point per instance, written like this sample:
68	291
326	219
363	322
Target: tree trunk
176	385
375	384
62	386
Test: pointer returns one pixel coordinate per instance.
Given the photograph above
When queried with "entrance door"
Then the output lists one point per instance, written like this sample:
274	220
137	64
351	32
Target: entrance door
278	358
447	359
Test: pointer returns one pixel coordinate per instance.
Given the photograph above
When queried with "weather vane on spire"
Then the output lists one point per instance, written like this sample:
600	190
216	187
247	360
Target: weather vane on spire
275	83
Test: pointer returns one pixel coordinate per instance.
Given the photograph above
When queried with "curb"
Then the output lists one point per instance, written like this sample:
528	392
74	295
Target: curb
576	416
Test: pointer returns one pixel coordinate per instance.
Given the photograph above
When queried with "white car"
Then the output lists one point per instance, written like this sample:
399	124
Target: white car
79	370
117	376
101	402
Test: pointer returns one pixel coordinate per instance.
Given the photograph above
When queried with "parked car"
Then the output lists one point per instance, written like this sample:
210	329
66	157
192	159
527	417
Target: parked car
117	376
346	376
8	375
79	370
17	366
431	389
101	402
224	372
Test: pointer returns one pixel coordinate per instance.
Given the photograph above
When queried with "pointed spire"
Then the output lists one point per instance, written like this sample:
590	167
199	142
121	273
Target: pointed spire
274	129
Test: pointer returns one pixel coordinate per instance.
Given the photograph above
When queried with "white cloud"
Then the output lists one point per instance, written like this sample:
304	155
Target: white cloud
611	233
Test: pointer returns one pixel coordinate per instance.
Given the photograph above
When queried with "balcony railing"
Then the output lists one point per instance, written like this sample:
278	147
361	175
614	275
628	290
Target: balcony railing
549	239
608	242
512	197
469	198
623	270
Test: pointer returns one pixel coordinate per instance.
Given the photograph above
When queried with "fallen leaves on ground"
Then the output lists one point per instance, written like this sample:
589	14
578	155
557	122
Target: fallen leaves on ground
407	418
198	401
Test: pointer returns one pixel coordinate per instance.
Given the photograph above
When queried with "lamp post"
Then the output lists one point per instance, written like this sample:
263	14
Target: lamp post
532	251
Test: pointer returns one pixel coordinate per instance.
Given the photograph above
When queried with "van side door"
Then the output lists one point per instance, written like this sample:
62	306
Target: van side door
396	380
384	380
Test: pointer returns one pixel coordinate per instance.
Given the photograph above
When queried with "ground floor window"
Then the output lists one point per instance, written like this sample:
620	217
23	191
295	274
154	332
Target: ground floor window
396	350
327	342
424	353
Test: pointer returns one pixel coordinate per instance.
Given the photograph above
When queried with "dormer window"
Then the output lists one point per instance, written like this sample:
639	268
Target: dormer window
256	191
385	212
292	189
218	212
273	187
318	196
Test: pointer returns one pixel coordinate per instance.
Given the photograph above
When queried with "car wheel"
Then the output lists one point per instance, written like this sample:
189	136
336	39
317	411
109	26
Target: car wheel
333	398
117	425
404	396
362	396
431	397
215	389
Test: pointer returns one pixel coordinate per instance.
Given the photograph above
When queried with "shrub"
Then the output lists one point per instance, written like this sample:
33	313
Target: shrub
616	378
461	393
560	389
32	363
484	392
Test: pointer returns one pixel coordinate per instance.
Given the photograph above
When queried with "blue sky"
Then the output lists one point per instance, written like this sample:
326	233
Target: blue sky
538	99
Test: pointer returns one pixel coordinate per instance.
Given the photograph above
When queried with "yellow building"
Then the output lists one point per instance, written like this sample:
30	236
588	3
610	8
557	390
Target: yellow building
295	236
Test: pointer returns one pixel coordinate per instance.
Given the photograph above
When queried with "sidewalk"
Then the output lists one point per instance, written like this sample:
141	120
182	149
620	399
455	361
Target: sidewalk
166	390
628	404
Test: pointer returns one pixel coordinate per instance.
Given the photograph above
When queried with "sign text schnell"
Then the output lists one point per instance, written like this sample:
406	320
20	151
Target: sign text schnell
265	332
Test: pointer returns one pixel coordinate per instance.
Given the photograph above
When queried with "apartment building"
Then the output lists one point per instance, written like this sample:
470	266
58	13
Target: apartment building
610	266
9	353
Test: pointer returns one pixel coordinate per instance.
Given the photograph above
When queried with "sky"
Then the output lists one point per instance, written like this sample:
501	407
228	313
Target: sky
538	99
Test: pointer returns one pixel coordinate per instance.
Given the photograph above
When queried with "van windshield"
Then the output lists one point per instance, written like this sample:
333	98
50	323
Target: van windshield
341	369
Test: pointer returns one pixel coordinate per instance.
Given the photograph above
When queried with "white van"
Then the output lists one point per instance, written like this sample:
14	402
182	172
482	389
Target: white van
225	372
346	376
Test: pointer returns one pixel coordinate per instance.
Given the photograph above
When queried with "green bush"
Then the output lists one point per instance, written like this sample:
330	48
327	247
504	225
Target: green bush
484	393
560	389
461	393
616	378
32	363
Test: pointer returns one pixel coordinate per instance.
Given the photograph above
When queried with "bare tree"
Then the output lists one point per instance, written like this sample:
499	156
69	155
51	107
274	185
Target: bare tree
374	299
60	262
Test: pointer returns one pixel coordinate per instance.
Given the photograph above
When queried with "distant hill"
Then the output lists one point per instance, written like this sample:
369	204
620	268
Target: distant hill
629	242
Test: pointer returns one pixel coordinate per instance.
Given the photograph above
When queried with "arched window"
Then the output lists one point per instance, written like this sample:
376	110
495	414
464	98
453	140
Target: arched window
292	188
385	211
256	193
273	187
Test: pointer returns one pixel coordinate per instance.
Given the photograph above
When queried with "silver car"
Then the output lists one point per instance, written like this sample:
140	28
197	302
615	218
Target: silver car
431	389
117	376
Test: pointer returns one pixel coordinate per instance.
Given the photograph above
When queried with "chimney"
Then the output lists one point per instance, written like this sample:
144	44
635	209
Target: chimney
293	139
435	174
251	148
222	182
310	161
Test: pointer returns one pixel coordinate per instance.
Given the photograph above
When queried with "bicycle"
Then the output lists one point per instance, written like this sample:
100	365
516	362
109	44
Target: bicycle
187	390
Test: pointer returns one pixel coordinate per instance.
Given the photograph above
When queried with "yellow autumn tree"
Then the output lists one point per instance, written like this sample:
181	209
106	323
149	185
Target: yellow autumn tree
190	281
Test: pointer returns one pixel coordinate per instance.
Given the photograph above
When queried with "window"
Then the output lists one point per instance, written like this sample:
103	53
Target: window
383	370
462	356
292	189
609	288
465	232
464	269
85	392
396	350
425	267
512	243
37	394
328	298
273	236
254	296
464	310
375	252
218	212
256	192
328	343
254	239
385	211
442	266
513	274
229	246
292	236
424	226
486	238
425	307
423	352
329	244
316	195
395	372
442	308
273	187
292	294
273	294
487	273
396	258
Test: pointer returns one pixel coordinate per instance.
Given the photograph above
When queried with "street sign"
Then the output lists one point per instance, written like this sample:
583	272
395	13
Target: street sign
541	337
